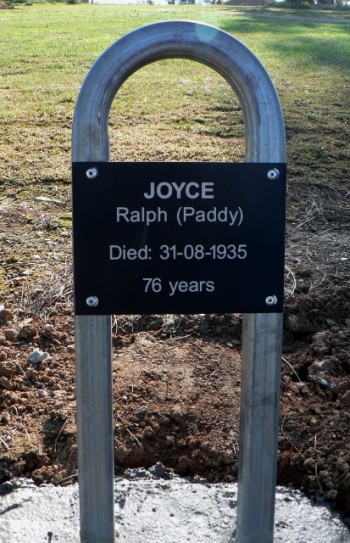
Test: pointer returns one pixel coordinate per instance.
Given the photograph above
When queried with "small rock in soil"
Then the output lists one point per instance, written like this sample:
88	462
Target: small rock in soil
6	315
27	332
38	356
5	383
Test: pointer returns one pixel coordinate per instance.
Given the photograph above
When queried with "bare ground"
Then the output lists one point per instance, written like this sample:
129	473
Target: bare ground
176	377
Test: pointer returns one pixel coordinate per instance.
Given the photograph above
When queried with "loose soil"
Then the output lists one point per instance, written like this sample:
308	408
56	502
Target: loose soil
176	377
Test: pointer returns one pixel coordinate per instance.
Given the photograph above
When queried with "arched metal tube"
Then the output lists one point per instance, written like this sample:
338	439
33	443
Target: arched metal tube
265	142
180	39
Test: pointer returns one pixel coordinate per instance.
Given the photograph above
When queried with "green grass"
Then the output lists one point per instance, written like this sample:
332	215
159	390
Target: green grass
171	110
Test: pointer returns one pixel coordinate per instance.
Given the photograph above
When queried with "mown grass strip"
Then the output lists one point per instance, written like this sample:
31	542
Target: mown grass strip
172	109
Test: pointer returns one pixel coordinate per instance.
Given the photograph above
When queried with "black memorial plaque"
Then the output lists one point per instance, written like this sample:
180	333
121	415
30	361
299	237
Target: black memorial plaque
178	237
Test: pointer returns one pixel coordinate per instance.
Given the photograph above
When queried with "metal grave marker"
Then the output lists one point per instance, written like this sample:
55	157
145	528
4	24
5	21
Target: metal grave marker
210	238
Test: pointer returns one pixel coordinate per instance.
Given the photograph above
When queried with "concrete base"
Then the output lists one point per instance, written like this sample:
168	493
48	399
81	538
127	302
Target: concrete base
153	507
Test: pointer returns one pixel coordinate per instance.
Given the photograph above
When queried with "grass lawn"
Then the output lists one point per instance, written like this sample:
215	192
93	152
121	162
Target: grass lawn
170	110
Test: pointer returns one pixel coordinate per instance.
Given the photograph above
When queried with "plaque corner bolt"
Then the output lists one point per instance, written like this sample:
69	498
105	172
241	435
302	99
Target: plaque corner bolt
273	174
91	173
92	301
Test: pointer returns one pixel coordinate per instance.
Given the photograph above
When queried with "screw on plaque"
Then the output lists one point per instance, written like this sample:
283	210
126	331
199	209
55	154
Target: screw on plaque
91	173
92	301
273	174
271	300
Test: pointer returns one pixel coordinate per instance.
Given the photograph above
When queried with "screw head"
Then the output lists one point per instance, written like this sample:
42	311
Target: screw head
271	300
273	174
91	173
92	301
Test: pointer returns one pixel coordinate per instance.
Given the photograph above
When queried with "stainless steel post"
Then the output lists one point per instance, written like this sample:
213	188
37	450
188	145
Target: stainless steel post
95	428
265	142
261	355
93	362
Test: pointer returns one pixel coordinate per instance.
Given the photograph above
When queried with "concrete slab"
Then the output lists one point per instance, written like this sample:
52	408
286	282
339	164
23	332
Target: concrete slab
153	507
